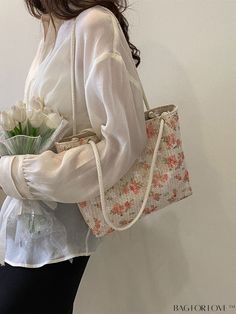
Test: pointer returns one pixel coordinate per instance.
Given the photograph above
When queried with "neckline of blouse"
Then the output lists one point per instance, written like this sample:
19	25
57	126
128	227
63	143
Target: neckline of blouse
47	26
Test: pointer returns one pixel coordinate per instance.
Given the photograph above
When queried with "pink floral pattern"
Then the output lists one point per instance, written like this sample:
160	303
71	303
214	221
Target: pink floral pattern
170	182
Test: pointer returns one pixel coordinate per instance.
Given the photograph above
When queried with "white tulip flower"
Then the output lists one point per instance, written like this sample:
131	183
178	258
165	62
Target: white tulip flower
6	121
53	120
36	117
36	103
18	113
20	104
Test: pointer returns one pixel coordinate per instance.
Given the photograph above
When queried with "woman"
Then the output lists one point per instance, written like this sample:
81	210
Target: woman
36	277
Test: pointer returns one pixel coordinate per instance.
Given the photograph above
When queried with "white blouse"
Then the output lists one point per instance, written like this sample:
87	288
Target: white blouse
108	99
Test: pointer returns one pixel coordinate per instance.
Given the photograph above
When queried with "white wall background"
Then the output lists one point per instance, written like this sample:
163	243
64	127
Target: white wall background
187	253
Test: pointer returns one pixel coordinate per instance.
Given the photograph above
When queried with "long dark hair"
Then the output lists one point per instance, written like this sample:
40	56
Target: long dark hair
62	10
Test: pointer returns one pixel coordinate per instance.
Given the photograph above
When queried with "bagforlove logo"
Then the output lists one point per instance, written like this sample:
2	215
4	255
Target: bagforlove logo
204	308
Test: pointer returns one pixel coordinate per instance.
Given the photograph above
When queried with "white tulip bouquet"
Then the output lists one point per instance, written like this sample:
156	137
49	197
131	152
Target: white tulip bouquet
30	130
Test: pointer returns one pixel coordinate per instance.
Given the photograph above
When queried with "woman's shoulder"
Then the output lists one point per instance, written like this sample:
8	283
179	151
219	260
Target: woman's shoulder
99	30
94	17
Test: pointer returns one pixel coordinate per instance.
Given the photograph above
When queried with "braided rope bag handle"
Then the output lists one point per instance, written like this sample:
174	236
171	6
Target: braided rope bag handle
95	150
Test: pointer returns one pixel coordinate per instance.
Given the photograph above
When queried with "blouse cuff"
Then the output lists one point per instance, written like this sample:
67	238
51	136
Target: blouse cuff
12	178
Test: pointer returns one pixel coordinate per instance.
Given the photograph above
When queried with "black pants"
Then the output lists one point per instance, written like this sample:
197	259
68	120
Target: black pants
50	289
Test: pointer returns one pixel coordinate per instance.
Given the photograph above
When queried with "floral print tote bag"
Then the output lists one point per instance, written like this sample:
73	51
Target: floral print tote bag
157	179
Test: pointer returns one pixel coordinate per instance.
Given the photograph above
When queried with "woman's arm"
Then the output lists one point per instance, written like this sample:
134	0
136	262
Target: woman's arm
71	176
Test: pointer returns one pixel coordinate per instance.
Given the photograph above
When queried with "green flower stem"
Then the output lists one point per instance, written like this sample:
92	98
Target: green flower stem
16	131
20	127
29	129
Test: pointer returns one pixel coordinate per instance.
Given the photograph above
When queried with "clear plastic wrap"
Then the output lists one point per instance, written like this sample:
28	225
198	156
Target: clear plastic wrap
35	223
